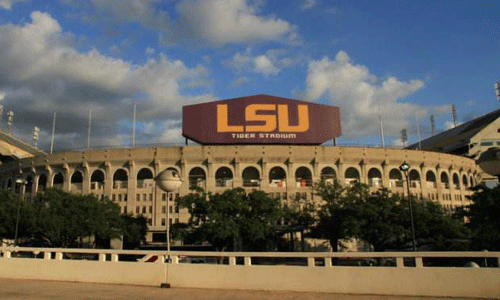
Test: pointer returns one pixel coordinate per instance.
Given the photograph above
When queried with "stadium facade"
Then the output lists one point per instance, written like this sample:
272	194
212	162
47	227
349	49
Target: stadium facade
269	146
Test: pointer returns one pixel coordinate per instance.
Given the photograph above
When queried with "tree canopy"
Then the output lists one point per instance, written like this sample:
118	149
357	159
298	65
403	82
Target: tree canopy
483	217
383	220
60	219
230	218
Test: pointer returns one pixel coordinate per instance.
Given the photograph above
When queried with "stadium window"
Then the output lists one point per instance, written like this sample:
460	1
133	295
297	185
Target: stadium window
177	209
144	197
150	222
124	209
113	197
163	222
150	209
170	222
144	209
164	197
176	220
125	197
163	209
170	210
119	197
138	197
150	197
137	209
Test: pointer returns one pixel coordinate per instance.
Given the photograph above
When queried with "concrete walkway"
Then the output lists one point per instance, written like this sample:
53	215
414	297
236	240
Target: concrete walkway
32	289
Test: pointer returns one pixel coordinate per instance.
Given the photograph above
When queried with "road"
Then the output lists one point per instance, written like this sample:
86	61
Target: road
38	290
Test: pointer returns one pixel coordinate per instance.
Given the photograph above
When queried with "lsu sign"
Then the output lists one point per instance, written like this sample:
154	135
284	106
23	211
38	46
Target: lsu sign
260	119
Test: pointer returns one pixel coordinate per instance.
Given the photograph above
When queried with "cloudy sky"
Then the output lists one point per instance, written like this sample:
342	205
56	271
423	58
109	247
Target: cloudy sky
410	59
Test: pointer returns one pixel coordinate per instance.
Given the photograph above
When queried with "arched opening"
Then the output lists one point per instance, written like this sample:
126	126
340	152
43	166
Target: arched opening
395	178
465	182
328	175
303	177
145	178
58	181
374	177
351	176
277	177
251	177
97	180
76	181
445	182
414	177
29	184
42	183
224	177
471	181
197	178
430	179
456	181
120	179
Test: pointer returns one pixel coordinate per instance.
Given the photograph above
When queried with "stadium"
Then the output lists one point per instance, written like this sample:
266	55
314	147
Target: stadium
258	142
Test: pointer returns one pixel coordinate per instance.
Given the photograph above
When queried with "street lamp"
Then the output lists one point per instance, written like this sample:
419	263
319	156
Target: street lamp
405	167
168	181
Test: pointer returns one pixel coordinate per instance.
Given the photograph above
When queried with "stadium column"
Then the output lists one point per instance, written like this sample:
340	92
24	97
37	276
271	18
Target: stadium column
364	172
264	183
210	177
67	178
86	178
385	174
341	172
157	203
438	184
34	188
108	182
237	176
50	173
132	187
290	179
423	188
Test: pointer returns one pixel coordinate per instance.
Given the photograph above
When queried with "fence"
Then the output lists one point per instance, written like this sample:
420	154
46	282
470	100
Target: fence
438	274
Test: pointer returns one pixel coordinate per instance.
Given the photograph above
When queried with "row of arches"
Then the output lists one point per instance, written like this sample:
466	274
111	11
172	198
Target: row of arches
251	177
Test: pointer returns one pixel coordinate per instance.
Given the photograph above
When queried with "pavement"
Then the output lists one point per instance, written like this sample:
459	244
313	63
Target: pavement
38	290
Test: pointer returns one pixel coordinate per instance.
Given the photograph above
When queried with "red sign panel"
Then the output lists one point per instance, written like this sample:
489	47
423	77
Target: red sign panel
260	119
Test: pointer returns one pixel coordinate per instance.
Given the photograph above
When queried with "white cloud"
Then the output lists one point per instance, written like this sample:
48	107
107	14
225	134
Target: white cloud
309	4
40	72
268	64
359	94
262	64
221	22
212	22
239	81
7	4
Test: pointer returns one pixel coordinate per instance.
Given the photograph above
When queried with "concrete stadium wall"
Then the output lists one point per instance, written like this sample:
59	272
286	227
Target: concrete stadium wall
237	272
142	197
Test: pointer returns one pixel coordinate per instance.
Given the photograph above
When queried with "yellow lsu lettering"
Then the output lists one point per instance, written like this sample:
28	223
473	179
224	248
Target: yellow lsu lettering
270	121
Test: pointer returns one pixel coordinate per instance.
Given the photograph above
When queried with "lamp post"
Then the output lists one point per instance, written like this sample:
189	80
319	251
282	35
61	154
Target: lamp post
168	181
405	167
21	183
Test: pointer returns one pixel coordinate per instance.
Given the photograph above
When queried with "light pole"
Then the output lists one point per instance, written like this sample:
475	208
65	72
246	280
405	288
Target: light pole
168	181
405	167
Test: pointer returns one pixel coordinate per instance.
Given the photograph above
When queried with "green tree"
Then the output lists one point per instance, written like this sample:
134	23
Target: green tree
134	231
337	215
383	220
228	218
484	218
62	219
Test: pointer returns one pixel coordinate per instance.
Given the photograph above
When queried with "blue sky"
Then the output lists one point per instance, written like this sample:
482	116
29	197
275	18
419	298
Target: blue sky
411	59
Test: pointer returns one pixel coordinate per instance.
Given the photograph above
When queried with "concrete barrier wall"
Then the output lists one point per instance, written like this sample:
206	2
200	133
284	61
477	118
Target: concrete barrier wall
317	275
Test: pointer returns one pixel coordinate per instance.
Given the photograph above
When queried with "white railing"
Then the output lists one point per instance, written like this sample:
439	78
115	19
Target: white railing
437	274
